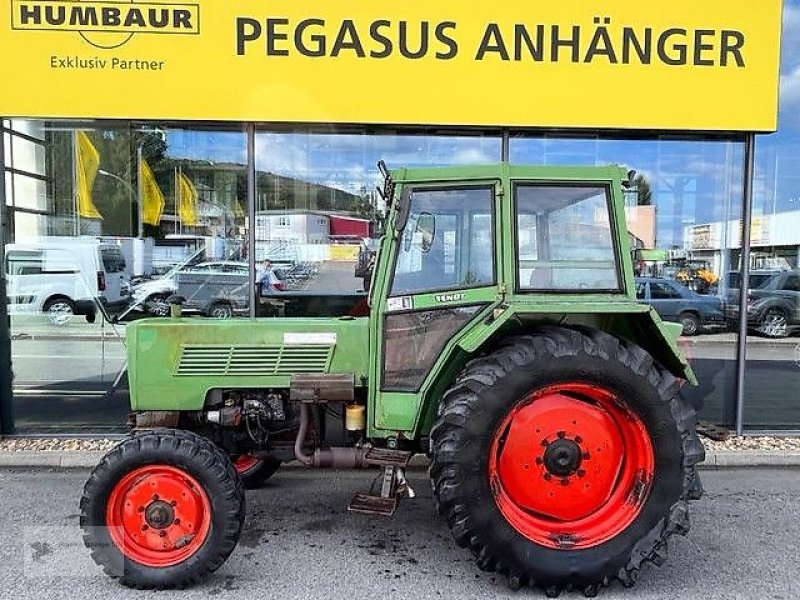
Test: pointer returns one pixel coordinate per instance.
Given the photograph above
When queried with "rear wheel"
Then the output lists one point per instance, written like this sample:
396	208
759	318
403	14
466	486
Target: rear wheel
221	310
774	323
253	470
565	459
162	510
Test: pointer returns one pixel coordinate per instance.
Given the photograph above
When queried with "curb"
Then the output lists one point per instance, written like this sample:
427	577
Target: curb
86	459
751	458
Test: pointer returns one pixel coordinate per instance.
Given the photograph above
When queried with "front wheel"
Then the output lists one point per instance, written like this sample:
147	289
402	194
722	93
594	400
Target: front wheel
565	459
59	310
162	510
221	310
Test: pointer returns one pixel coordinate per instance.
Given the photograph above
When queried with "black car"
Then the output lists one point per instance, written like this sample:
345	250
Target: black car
675	302
773	308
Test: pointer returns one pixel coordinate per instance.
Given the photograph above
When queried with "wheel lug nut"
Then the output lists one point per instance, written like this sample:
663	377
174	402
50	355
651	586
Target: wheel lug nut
155	497
585	456
163	533
173	503
547	476
145	528
581	472
562	434
177	521
141	509
545	442
539	460
565	481
578	439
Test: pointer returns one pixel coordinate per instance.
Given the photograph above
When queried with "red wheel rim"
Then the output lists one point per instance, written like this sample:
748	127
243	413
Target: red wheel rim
245	462
158	515
571	466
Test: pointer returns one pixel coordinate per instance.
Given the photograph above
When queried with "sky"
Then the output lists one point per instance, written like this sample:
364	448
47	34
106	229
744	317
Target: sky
348	161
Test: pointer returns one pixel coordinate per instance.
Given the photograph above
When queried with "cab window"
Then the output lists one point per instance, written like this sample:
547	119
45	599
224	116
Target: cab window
447	243
564	238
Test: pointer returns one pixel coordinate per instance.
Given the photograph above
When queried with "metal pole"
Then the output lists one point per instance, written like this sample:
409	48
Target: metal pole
505	147
140	193
250	130
744	285
6	393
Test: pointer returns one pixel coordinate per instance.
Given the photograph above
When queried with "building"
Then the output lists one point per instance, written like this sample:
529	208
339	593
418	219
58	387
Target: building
69	173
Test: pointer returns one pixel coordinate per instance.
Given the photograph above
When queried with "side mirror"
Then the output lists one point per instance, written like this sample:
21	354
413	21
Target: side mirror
426	227
403	211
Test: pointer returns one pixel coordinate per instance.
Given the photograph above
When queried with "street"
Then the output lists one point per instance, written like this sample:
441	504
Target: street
299	542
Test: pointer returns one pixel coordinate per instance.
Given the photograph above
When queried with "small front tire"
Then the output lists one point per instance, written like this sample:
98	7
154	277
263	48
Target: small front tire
690	323
162	510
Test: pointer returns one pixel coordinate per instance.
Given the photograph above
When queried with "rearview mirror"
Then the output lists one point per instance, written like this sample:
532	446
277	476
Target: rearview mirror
403	211
426	228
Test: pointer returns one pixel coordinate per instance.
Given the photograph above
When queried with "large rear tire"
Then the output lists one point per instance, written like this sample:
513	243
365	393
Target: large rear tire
162	510
565	459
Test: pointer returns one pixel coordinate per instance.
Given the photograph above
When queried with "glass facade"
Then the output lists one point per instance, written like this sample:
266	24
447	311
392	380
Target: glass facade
107	222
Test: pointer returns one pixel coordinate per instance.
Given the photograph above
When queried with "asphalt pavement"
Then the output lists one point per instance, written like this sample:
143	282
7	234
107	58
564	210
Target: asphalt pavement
299	542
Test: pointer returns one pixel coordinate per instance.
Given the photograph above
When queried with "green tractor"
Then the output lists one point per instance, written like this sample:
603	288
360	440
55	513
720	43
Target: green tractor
503	340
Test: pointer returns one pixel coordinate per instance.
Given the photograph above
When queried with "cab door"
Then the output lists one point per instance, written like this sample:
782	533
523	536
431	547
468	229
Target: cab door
443	276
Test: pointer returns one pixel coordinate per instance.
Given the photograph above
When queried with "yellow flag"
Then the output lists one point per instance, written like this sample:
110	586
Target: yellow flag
238	211
188	200
88	163
152	198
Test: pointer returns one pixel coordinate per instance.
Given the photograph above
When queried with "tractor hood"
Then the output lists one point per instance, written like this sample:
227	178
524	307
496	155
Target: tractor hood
173	363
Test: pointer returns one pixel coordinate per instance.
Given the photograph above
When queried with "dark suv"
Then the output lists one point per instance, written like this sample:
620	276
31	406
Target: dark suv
773	308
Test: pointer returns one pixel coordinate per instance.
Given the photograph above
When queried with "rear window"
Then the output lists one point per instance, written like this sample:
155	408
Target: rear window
564	238
113	260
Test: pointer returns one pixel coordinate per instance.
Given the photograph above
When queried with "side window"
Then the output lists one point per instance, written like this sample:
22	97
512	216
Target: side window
24	263
447	243
564	238
661	291
792	283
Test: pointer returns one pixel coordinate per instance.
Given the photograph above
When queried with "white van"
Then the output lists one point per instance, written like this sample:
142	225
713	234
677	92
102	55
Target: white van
63	276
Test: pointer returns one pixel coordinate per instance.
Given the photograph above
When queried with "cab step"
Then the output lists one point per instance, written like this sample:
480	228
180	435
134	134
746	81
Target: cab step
383	457
393	487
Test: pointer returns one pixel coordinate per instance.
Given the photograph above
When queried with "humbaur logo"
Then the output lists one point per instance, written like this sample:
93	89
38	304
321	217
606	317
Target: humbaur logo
105	24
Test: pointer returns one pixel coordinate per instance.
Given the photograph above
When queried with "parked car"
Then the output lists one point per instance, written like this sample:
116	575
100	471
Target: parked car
214	288
773	308
675	302
63	276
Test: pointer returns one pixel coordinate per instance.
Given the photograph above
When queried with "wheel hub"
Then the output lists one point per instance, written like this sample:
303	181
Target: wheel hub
571	465
562	457
159	514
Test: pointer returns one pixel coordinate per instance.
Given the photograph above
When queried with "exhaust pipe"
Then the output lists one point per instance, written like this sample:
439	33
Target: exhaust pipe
326	458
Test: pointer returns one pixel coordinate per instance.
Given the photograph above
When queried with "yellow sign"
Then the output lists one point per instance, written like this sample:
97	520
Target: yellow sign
662	64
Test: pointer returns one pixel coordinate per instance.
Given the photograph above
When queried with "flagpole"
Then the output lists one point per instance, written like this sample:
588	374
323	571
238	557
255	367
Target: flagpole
175	179
75	179
140	192
180	195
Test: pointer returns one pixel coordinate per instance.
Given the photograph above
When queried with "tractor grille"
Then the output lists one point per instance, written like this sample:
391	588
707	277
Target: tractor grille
254	360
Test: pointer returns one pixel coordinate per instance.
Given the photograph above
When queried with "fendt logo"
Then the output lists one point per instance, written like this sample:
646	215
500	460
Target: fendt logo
105	24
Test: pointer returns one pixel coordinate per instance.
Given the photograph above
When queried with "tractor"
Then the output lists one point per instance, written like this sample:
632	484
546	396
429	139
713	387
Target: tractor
502	339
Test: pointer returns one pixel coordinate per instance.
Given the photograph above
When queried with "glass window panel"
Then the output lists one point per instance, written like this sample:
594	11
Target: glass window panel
28	156
29	192
447	243
564	238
